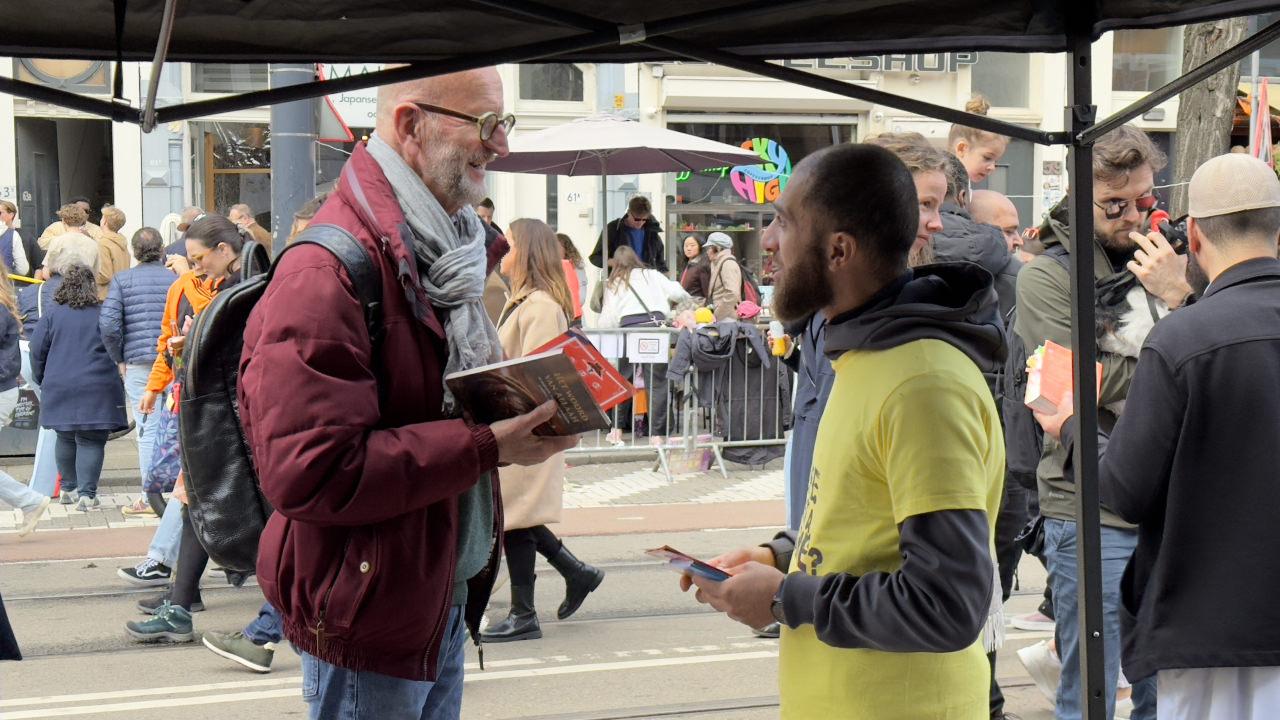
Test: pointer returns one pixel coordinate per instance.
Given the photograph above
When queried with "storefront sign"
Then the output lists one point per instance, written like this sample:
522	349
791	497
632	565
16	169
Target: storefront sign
762	183
898	62
357	108
757	184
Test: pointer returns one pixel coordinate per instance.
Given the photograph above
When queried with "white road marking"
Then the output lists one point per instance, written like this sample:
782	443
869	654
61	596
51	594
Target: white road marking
292	686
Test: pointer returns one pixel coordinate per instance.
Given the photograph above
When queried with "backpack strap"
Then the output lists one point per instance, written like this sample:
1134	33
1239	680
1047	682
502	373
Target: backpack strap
364	275
1060	256
365	278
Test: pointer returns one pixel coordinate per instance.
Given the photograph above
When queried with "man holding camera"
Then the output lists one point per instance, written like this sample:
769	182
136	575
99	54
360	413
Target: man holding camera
1124	167
1193	462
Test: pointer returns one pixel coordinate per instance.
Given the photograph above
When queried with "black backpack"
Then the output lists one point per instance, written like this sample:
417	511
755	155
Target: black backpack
226	506
1023	436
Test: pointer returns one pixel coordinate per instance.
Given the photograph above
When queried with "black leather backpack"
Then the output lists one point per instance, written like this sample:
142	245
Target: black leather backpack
226	506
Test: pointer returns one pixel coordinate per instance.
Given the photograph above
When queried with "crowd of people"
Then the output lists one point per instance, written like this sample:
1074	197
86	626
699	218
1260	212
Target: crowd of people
908	505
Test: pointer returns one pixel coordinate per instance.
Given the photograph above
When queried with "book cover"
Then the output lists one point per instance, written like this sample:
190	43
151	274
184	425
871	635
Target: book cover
606	384
1049	375
504	390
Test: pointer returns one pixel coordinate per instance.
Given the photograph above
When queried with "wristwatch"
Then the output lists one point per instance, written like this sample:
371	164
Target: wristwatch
776	606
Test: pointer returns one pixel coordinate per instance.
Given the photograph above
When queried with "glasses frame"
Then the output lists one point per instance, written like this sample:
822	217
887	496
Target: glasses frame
1122	206
486	124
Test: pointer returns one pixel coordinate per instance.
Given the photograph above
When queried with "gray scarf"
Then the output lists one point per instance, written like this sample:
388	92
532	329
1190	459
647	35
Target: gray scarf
451	259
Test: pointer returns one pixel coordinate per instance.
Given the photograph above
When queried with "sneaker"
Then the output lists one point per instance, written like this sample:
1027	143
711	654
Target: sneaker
139	508
238	648
149	606
68	497
170	623
88	503
1044	667
1037	621
30	519
147	573
769	632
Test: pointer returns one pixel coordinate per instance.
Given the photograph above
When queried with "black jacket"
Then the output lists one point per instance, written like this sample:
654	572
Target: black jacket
1193	462
939	598
655	255
964	240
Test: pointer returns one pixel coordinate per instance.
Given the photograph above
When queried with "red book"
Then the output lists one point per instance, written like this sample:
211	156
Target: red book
606	384
568	370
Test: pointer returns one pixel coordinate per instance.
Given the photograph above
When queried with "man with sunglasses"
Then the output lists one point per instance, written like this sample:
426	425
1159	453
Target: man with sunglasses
1124	166
381	554
638	230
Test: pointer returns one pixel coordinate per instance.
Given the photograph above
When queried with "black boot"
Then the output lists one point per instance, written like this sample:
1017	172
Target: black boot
579	580
521	623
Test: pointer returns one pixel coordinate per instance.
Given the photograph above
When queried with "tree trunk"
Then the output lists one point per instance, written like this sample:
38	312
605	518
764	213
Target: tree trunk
1206	110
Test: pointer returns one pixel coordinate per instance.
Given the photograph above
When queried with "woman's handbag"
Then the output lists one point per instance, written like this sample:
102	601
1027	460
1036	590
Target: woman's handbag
648	318
166	458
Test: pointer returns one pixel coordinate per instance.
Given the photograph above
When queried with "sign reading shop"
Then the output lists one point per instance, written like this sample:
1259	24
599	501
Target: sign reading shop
897	62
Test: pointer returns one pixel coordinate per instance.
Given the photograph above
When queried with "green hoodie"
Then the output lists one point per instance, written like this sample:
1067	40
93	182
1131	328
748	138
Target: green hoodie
1044	313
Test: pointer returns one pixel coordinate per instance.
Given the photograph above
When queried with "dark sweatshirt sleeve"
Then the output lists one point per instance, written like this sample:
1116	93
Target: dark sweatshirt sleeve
936	602
1135	461
782	545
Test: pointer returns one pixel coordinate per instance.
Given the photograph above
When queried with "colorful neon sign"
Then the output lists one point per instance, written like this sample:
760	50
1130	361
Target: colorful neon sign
762	183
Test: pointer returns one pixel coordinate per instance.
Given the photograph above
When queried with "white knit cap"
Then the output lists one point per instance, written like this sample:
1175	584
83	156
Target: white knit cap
719	240
1232	183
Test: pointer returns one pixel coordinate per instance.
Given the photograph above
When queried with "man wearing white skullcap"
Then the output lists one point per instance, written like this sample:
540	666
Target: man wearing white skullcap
1193	462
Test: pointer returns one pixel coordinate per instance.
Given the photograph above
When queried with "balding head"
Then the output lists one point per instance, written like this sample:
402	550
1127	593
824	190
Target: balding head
444	150
993	208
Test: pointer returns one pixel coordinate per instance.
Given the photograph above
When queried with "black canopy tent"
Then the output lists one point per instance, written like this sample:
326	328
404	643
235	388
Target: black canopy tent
439	37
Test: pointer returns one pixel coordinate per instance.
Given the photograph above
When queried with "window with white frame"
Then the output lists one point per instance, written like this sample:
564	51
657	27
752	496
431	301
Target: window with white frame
1145	60
1004	78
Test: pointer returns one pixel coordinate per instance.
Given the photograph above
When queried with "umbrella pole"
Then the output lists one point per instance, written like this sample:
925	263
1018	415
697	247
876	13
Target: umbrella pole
604	219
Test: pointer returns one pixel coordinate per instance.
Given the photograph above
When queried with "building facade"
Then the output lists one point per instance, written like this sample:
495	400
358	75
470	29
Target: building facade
49	154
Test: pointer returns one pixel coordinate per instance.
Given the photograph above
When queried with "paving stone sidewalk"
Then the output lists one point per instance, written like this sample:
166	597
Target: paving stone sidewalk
586	486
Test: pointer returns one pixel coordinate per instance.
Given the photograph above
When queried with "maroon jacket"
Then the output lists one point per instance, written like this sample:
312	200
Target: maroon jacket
360	555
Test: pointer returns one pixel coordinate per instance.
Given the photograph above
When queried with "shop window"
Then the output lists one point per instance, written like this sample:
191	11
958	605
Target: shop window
236	168
561	82
738	200
229	77
1145	60
1269	56
1004	78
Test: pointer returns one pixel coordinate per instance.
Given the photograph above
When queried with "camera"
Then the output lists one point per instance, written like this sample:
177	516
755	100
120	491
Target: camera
1175	231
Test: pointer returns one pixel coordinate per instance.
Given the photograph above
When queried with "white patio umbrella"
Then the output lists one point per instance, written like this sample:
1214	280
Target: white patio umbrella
604	144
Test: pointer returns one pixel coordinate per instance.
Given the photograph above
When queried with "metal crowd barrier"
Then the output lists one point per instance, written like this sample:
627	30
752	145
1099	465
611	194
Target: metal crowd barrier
689	424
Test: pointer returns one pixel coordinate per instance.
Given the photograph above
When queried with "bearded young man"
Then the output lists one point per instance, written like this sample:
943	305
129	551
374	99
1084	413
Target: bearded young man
1125	162
883	593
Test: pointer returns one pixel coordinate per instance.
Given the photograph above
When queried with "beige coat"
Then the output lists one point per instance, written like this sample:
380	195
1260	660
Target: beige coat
58	228
113	257
533	495
726	286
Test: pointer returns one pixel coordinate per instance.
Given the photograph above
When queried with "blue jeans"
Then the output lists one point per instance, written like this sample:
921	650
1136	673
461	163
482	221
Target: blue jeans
44	474
80	454
266	628
168	536
334	692
18	495
135	383
1060	556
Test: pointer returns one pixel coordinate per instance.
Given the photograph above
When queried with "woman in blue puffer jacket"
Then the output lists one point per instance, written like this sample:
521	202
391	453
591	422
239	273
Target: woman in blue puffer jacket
130	324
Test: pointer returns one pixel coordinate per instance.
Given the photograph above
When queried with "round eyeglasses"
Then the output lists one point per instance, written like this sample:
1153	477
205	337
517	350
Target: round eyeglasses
487	123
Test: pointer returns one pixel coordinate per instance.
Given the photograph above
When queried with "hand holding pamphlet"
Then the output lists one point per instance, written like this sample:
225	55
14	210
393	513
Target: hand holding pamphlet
687	564
568	370
1050	376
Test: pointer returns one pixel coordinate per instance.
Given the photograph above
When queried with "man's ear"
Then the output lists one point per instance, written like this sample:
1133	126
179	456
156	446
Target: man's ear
405	119
1195	237
841	250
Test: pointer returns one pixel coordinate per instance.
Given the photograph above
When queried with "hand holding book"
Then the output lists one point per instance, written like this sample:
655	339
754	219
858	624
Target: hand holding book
519	445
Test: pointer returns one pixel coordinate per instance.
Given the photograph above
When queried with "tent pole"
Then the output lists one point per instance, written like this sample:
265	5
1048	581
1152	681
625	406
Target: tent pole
1081	113
157	65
